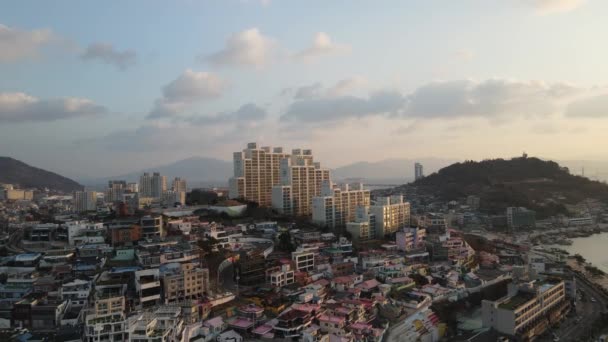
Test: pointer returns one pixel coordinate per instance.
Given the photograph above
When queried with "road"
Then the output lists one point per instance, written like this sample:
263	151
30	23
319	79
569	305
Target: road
588	311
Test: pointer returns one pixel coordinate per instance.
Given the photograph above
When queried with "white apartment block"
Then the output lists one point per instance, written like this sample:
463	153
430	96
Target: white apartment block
85	201
148	287
337	204
77	291
280	276
391	214
528	310
301	180
256	171
364	227
170	197
304	258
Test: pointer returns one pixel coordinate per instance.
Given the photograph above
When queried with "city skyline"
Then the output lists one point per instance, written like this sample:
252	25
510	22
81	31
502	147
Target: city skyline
87	98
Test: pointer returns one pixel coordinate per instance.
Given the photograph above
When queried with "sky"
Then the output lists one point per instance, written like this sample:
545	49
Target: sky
92	89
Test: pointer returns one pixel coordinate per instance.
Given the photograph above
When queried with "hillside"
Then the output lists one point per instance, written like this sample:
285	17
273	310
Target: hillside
194	170
543	186
13	171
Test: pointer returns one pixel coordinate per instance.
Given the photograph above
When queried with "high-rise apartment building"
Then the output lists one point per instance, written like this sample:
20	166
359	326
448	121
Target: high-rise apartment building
418	171
115	190
301	180
391	213
152	186
85	201
337	204
170	197
178	185
256	171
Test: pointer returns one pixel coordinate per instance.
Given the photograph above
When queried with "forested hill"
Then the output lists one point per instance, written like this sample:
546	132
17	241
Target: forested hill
540	185
16	172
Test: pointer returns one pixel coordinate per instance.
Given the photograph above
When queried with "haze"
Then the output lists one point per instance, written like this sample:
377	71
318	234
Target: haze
99	89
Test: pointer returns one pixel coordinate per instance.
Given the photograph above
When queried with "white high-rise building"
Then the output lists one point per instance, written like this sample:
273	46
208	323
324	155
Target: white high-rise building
418	171
152	186
391	214
171	197
85	201
337	204
256	171
301	180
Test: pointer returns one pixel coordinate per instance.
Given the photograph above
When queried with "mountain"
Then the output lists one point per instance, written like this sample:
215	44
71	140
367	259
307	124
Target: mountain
196	170
543	186
13	171
394	171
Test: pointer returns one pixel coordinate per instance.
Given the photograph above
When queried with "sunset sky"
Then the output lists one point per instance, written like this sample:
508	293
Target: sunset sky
92	89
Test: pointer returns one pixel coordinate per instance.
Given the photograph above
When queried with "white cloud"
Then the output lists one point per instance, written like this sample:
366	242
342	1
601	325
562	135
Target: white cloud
464	54
249	112
498	100
346	86
16	44
591	107
322	45
21	107
555	6
248	48
109	55
189	88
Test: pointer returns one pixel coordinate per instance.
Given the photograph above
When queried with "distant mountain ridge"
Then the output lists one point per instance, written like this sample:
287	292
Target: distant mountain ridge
16	172
543	186
195	170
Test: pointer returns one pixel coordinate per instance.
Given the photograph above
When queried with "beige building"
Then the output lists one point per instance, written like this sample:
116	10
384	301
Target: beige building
391	214
187	281
19	195
256	171
179	185
152	185
528	310
337	204
301	180
109	305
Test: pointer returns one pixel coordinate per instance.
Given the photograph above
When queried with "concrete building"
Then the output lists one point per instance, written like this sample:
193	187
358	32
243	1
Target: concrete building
256	171
152	185
528	310
337	204
364	227
304	258
76	291
170	197
301	180
410	238
148	287
18	195
152	227
518	217
280	276
418	171
391	214
179	185
85	201
184	281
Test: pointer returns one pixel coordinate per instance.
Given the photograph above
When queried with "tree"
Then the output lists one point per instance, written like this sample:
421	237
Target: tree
579	259
285	243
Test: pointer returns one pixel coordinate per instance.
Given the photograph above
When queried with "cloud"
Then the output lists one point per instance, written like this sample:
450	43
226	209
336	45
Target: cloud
21	107
555	6
591	107
246	113
149	137
189	88
315	90
249	48
343	107
494	99
106	53
16	44
322	45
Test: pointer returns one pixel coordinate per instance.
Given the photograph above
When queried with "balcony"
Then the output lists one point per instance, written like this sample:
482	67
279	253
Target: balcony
150	284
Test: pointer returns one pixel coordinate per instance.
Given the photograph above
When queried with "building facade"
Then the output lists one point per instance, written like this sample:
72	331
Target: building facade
337	205
256	171
85	201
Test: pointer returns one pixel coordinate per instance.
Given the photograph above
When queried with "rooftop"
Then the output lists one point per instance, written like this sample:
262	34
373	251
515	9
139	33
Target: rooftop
516	301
